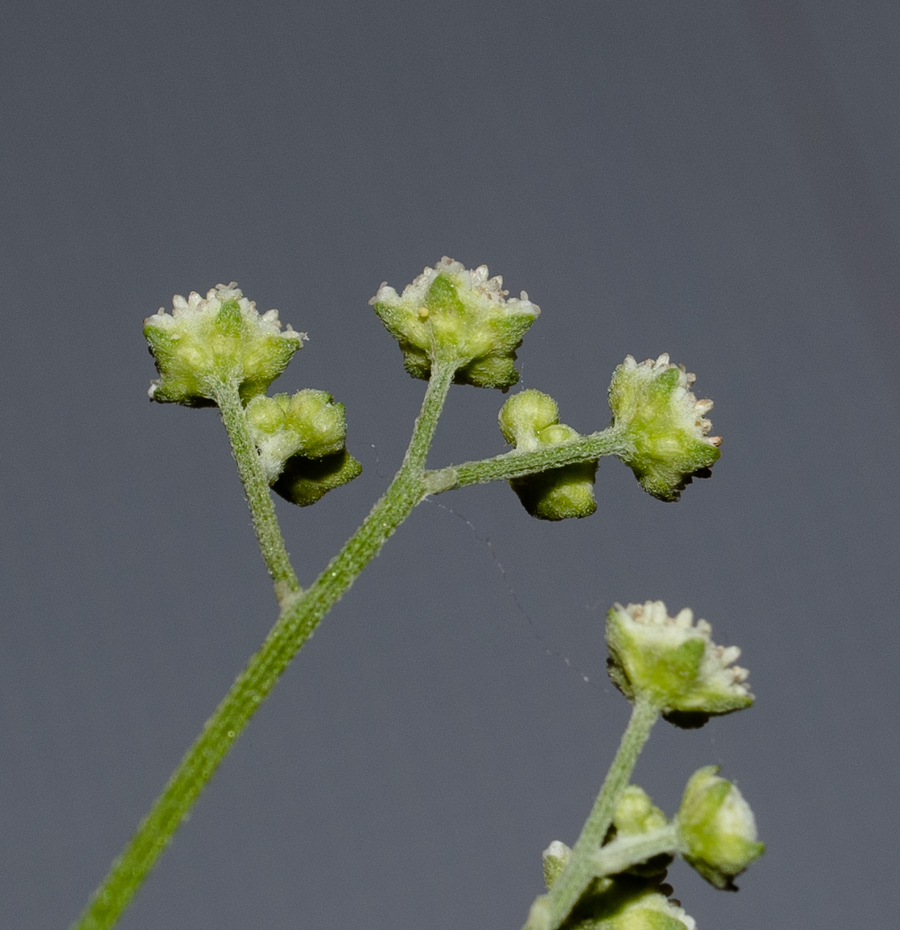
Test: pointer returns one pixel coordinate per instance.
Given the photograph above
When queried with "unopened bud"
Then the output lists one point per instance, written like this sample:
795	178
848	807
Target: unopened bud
717	828
530	420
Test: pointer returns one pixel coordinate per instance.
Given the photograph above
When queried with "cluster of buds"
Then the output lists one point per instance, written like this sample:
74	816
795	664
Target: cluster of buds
619	902
209	344
671	664
301	442
714	831
528	421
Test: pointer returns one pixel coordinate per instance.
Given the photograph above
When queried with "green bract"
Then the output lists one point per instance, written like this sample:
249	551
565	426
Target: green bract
220	339
452	316
673	664
662	424
529	420
717	828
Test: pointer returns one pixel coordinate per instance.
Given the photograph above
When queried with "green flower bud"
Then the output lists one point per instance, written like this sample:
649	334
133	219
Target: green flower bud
663	425
529	420
216	340
717	828
554	858
631	905
637	814
449	315
309	424
673	664
304	480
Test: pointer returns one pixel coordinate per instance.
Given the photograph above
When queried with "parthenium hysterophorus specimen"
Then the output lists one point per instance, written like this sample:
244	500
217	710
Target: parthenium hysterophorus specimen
459	326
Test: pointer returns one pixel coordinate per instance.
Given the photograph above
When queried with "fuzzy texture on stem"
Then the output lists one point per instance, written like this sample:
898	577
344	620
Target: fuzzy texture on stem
551	910
627	851
299	618
259	498
518	464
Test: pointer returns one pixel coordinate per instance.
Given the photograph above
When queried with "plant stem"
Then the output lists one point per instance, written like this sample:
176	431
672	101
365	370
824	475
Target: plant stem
516	464
299	617
626	851
551	910
259	497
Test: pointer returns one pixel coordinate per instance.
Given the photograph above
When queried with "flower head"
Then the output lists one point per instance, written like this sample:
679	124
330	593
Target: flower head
663	425
529	420
450	315
717	828
207	342
673	663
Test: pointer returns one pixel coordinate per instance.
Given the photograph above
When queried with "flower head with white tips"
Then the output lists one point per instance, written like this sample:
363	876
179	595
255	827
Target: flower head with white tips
453	316
673	663
662	424
207	342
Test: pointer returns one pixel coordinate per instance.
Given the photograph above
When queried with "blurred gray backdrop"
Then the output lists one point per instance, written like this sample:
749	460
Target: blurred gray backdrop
715	180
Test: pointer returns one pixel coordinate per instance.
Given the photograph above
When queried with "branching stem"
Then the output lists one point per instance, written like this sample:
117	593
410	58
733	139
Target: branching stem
299	617
550	910
517	464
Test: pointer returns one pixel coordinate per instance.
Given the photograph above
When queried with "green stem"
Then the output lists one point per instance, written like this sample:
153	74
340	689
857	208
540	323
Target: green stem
627	851
299	617
550	910
517	464
262	510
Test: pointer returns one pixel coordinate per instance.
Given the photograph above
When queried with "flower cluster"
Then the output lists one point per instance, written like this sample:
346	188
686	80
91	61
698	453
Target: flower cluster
208	342
452	316
673	663
662	425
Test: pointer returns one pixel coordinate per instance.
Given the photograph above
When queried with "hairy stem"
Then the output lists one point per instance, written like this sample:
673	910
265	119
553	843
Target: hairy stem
627	851
517	464
259	497
550	910
299	618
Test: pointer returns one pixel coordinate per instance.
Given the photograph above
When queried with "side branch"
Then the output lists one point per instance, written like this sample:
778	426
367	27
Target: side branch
517	464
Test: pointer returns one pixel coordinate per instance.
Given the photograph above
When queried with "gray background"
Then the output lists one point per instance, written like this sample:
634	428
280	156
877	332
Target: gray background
715	180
